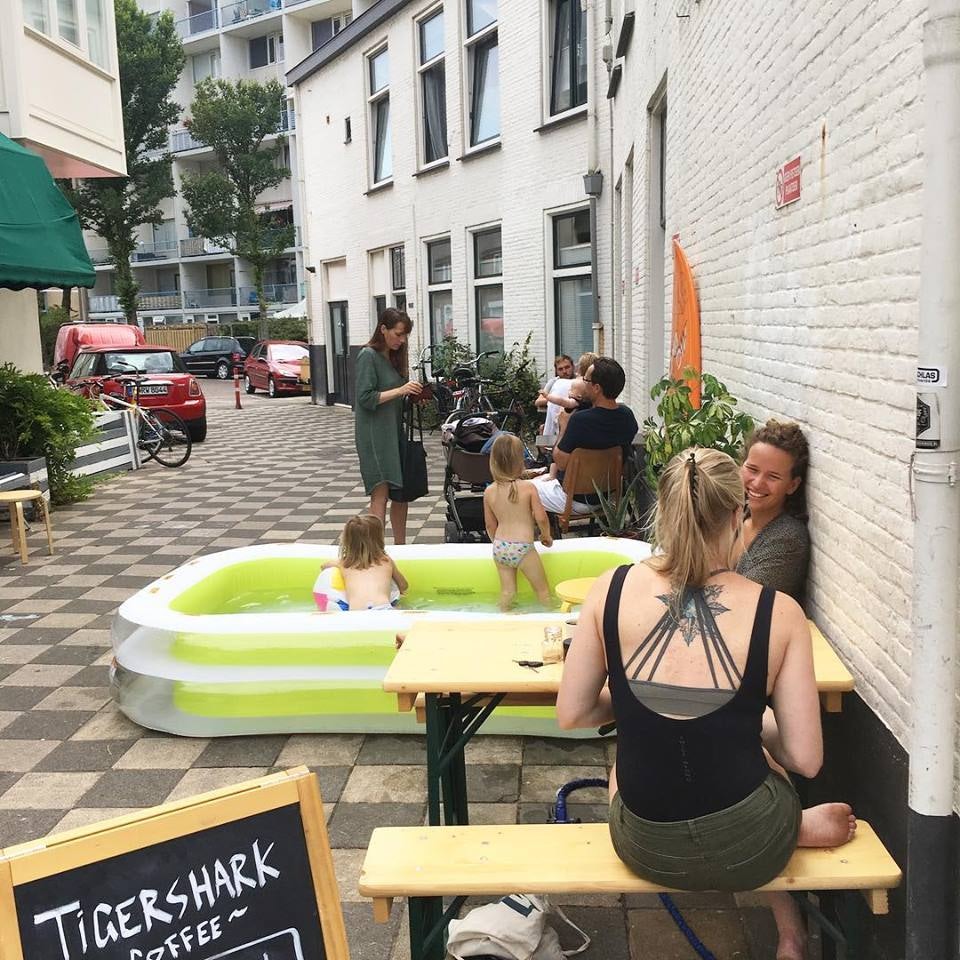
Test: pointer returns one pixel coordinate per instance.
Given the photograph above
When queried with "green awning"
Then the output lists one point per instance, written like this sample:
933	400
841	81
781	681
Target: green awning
40	240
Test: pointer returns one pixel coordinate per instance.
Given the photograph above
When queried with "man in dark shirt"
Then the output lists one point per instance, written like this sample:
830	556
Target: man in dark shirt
605	424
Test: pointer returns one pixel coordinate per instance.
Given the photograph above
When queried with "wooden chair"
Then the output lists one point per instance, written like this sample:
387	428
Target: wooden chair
14	500
588	471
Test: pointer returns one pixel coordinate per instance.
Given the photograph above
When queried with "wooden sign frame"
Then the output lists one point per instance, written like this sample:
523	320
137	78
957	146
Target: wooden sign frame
109	838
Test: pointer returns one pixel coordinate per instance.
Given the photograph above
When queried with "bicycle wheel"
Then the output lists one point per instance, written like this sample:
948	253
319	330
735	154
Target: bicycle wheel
164	437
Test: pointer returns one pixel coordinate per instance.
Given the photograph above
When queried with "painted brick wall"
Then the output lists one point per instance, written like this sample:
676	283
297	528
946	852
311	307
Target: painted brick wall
532	173
809	312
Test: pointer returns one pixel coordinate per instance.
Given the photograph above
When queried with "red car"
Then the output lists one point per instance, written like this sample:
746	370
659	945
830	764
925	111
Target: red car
168	383
274	366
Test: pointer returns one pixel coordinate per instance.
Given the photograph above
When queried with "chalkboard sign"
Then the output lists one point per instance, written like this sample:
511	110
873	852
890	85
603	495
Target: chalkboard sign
241	874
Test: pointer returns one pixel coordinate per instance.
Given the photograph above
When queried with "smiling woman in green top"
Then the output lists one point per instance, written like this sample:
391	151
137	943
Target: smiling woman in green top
381	386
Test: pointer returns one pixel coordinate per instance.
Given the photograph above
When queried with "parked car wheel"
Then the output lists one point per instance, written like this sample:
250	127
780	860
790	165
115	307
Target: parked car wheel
248	384
271	388
198	430
223	370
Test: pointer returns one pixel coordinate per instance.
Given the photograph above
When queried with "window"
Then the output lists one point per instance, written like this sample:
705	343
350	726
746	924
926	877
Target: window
488	289
440	290
433	87
398	277
568	56
266	50
572	283
379	106
323	30
36	13
96	33
68	23
483	67
206	65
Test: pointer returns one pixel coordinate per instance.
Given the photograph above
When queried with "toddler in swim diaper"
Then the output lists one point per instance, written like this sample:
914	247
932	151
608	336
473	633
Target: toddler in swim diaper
369	574
511	510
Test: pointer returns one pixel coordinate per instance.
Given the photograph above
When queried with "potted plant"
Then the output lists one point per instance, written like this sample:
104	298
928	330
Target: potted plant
715	423
40	429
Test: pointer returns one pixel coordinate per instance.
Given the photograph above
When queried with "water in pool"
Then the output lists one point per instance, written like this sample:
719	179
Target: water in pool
295	601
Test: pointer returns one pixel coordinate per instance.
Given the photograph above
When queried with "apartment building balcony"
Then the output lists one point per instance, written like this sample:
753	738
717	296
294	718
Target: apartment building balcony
220	297
242	11
160	250
198	23
273	292
159	300
182	140
200	247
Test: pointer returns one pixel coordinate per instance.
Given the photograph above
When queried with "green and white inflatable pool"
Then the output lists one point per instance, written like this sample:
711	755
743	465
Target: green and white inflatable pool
232	643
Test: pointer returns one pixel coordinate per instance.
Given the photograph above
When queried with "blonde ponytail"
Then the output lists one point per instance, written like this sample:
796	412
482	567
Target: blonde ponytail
698	491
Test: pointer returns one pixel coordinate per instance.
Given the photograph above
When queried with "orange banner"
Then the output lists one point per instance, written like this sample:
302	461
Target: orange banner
685	339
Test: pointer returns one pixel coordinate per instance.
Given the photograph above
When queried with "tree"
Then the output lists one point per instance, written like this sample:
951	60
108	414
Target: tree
235	119
151	58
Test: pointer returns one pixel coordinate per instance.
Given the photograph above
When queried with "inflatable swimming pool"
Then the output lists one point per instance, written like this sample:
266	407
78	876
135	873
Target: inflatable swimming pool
232	643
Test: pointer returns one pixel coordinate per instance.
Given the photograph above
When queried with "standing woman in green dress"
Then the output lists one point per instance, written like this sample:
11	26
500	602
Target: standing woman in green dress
382	384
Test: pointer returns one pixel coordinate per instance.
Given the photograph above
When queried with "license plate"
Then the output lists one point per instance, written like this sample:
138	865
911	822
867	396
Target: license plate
154	389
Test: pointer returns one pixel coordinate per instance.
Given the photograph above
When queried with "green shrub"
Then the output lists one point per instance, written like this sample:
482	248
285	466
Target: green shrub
37	420
50	323
279	328
714	424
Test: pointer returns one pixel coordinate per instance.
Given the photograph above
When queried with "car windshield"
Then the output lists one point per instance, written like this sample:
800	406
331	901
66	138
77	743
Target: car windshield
287	351
162	362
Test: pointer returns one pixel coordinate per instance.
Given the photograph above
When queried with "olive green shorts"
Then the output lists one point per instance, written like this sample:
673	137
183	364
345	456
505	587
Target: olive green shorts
739	848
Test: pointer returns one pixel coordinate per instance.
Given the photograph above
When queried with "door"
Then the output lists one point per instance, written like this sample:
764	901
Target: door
340	351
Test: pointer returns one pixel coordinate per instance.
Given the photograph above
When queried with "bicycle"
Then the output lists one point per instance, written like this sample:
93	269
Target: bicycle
161	434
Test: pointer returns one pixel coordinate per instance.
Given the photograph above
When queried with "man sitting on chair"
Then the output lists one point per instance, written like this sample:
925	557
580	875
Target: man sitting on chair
604	424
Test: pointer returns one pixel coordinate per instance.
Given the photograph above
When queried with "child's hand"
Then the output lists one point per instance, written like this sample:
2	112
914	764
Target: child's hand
546	540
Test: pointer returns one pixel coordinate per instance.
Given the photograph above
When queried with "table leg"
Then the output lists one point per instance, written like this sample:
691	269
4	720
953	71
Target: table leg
433	721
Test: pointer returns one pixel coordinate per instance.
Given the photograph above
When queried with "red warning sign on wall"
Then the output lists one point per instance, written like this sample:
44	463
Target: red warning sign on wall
788	183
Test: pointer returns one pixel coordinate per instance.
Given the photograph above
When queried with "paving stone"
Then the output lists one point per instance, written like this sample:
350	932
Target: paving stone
385	784
47	791
653	933
60	654
41	675
109	724
320	749
544	812
20	826
367	939
352	823
331	781
76	698
167	753
553	750
21	698
23	755
492	813
494	749
131	788
12	653
83	755
347	864
46	725
242	752
204	779
392	748
542	782
95	675
87	816
493	782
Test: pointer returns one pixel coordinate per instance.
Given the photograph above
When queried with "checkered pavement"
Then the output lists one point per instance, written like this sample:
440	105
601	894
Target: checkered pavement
276	471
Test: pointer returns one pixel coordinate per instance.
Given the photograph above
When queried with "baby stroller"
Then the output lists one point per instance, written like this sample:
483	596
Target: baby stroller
466	476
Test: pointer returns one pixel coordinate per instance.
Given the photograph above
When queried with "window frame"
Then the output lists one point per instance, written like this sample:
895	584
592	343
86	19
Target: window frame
374	100
551	25
49	28
425	67
439	287
485	282
273	41
559	274
484	38
399	293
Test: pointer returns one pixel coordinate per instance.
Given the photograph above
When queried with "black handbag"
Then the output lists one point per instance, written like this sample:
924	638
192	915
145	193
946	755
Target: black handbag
413	459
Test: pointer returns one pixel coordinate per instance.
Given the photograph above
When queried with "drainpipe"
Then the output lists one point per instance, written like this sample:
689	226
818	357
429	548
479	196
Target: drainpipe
593	179
935	469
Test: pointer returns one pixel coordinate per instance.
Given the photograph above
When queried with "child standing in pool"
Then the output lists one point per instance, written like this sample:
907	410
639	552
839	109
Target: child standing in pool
368	572
511	513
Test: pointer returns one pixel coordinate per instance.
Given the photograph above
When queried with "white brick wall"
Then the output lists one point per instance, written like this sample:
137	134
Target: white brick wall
516	185
809	312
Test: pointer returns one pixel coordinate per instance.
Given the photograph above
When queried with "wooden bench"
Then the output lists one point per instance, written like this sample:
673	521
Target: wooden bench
426	864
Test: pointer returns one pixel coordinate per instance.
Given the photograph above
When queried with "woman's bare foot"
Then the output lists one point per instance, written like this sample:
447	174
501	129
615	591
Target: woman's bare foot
827	825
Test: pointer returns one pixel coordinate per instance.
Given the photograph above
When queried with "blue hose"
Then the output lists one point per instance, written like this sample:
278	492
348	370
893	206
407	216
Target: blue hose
560	816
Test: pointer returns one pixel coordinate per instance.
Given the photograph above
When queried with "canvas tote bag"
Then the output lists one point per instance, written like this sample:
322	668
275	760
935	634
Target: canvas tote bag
414	458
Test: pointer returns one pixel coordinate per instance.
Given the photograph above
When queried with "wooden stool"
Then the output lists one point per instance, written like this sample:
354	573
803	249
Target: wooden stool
573	592
14	501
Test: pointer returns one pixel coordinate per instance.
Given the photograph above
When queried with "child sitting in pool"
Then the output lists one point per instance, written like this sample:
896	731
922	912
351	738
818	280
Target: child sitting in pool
368	572
511	508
